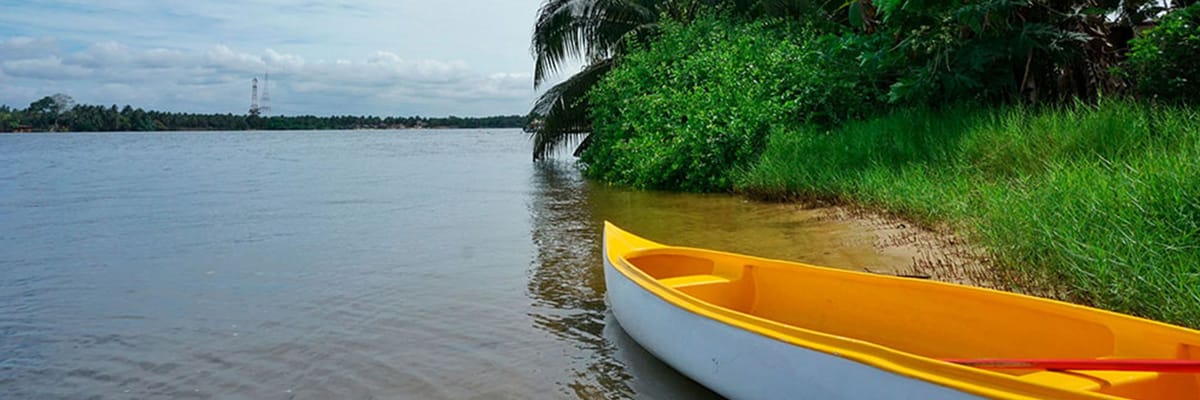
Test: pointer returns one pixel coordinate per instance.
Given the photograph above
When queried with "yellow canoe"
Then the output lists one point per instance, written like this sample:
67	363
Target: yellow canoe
749	327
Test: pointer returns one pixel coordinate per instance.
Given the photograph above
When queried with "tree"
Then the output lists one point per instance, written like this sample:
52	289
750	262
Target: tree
597	33
60	104
8	118
41	112
49	110
593	31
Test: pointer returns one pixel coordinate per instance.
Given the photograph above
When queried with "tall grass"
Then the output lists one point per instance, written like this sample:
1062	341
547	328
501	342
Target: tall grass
1104	199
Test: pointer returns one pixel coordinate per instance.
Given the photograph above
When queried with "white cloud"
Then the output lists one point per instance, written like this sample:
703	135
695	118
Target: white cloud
162	58
22	47
282	62
223	58
48	68
100	55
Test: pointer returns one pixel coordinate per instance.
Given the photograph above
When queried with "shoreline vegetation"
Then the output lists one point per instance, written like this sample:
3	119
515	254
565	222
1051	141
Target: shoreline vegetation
59	113
1097	204
1063	144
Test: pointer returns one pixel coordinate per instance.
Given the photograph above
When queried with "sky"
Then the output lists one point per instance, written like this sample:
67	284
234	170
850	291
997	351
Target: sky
364	57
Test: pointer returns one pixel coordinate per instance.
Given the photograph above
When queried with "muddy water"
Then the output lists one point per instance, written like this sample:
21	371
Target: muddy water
310	265
822	236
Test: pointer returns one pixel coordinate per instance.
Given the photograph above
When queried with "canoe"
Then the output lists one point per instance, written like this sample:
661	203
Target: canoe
754	328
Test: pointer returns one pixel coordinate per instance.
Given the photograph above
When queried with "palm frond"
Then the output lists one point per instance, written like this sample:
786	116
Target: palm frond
588	30
564	109
555	36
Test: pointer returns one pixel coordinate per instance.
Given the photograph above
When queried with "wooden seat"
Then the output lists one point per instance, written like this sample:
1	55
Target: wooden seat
1089	380
692	280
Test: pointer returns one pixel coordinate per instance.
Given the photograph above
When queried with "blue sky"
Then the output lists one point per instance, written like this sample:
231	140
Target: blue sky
379	57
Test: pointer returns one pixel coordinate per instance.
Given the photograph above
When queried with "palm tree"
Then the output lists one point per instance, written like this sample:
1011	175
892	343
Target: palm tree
594	31
597	32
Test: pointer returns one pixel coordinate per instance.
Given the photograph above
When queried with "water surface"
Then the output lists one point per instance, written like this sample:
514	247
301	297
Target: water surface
337	264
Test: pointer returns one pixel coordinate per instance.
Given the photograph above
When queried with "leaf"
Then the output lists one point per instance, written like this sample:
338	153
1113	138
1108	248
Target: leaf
856	15
887	7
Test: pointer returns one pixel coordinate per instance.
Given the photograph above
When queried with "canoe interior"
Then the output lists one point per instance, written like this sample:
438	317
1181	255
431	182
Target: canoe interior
928	319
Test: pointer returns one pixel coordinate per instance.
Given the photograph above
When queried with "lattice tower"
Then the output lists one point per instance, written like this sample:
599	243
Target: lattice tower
254	96
265	102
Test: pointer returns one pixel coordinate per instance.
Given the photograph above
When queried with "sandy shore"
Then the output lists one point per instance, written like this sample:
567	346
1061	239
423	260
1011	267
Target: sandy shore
907	249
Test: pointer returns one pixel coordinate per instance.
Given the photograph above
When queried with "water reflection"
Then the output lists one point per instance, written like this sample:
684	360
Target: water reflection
567	285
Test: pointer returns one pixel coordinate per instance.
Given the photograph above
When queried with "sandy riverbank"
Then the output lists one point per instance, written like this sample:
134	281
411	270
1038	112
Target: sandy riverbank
906	249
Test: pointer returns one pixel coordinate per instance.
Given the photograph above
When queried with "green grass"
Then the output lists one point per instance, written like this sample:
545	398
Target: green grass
1102	199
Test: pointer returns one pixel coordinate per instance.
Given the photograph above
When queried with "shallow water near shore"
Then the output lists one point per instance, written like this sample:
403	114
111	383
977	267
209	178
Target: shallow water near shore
341	264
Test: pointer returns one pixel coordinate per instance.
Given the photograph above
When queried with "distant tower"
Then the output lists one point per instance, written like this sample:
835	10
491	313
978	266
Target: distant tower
254	110
266	97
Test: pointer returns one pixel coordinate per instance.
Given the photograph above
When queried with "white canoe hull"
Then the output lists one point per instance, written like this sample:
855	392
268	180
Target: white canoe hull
744	365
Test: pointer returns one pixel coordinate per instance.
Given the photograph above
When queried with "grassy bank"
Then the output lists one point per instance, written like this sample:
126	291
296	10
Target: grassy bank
1104	200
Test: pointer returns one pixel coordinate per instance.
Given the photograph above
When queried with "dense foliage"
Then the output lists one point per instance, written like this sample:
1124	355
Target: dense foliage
698	102
59	113
596	33
1003	50
684	108
935	52
1165	62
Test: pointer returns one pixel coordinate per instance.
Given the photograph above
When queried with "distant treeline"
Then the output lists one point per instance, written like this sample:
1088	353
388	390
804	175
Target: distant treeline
59	113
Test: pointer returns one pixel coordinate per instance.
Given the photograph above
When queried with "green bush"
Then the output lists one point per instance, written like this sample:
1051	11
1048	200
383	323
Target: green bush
1165	61
697	103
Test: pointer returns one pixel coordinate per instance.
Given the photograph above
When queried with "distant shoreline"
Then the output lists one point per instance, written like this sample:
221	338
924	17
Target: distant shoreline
60	114
439	128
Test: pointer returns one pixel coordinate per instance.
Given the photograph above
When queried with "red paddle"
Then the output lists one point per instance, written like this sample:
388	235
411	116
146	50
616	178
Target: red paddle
1149	365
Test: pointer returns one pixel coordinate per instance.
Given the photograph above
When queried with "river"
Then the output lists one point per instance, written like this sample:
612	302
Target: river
338	264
